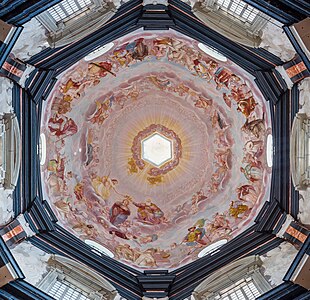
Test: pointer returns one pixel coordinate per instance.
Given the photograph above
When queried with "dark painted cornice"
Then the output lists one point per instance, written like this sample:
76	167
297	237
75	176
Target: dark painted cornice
18	12
284	11
285	291
22	290
6	48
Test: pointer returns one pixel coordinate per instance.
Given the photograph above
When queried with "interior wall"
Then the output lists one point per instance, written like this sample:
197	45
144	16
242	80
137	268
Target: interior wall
32	261
276	41
32	40
277	261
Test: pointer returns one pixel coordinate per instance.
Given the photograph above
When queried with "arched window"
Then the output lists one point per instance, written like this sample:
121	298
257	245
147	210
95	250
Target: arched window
69	280
300	151
71	20
235	19
240	280
9	150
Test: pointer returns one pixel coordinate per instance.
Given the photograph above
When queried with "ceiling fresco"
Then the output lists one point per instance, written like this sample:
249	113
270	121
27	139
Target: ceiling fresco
155	150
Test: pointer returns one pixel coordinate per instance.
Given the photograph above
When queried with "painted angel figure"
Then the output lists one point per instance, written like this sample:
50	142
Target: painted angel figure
251	173
103	186
61	125
149	212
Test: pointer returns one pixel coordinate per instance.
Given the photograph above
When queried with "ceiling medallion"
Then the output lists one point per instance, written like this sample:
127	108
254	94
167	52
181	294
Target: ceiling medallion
158	146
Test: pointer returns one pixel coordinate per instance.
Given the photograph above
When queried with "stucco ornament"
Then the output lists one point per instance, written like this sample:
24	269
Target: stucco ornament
275	41
304	96
32	261
32	40
277	261
6	86
304	207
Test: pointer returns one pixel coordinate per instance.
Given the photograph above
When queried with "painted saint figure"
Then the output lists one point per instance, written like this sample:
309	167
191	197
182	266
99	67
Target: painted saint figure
196	235
149	212
60	125
251	173
120	211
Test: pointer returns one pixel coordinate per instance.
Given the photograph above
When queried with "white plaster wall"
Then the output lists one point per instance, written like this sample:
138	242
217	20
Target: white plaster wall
32	261
6	86
277	261
304	96
275	41
304	207
6	201
31	41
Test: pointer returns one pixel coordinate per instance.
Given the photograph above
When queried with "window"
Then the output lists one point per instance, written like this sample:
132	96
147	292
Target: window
240	9
63	291
71	20
213	248
243	290
9	151
69	280
240	280
212	52
67	8
42	149
235	19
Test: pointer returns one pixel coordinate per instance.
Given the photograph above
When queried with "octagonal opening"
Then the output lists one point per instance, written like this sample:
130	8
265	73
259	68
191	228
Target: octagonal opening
156	149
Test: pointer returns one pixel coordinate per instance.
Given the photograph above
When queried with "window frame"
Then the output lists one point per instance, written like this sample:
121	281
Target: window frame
230	276
78	24
222	20
77	277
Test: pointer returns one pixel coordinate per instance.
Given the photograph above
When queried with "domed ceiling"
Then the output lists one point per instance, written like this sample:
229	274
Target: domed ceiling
156	150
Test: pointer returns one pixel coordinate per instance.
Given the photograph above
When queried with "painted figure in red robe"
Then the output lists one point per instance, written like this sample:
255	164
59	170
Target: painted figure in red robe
61	125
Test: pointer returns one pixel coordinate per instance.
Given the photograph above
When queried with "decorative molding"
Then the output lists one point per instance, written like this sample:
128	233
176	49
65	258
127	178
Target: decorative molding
77	27
7	274
304	207
275	41
85	279
285	226
25	225
304	96
230	26
299	151
284	75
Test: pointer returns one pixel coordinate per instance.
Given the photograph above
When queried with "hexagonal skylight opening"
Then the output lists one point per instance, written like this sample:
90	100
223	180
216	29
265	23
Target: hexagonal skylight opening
156	149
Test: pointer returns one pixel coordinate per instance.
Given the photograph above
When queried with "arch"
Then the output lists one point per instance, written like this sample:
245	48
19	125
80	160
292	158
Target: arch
63	269
242	269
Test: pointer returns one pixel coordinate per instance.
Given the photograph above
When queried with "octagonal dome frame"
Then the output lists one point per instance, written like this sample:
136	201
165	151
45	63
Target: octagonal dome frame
29	200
